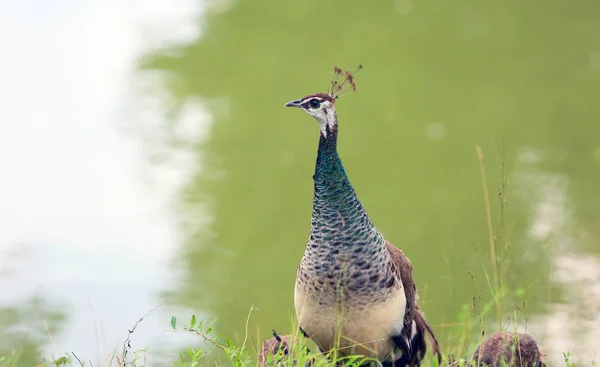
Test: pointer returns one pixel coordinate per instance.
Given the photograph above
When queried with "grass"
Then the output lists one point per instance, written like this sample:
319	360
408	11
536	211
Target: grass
240	355
456	348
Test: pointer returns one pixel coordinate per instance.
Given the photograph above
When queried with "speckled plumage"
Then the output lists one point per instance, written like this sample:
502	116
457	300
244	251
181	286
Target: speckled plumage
354	290
342	235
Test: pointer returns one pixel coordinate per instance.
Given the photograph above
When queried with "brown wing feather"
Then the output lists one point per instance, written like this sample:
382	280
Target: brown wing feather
404	268
423	325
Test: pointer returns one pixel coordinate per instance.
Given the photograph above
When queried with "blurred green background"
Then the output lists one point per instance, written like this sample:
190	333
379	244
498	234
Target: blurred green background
519	79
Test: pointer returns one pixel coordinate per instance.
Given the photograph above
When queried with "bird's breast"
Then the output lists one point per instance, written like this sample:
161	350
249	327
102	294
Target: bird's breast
354	325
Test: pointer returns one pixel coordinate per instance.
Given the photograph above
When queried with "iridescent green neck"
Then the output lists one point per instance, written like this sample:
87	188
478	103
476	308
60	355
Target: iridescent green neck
329	167
333	191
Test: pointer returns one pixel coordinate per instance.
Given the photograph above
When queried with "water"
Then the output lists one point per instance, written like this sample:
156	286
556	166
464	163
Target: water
88	230
185	181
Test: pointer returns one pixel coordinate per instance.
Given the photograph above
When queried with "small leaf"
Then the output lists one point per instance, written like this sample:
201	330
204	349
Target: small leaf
173	322
193	322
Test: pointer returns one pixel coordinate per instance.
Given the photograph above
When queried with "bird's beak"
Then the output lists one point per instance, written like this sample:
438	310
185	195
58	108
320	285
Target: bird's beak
297	103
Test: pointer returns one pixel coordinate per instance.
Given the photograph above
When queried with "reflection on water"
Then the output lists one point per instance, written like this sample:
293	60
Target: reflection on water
86	222
26	326
575	317
546	193
571	321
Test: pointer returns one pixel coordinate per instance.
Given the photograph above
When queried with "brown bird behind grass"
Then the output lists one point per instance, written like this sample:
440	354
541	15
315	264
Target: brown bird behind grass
283	348
512	349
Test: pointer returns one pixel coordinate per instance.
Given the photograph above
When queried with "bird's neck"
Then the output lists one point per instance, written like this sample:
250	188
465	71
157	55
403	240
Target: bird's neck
329	168
335	203
341	231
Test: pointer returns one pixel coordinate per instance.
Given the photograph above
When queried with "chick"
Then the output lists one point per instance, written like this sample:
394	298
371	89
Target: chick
514	349
280	346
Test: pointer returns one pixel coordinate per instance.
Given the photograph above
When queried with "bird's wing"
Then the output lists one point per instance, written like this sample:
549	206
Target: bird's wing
413	345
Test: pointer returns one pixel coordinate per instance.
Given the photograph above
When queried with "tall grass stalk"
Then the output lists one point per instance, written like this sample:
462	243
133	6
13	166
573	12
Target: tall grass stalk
492	241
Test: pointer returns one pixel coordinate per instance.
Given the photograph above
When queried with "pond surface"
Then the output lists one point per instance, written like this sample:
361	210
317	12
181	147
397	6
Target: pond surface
150	160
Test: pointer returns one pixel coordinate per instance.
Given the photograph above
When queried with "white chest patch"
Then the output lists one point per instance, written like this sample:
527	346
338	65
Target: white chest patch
356	328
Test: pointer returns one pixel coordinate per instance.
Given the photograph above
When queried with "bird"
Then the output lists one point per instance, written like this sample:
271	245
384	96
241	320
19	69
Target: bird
508	349
354	290
282	348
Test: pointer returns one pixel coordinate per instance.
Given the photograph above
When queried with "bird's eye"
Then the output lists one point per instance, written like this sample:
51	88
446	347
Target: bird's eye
314	103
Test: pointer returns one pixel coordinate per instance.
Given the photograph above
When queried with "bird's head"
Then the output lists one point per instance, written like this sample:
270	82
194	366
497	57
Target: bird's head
321	105
279	347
